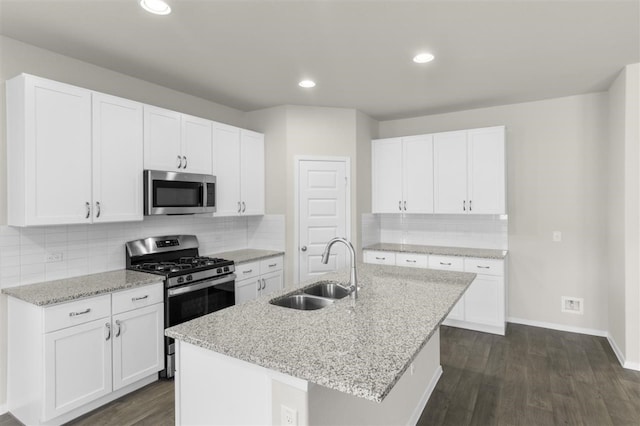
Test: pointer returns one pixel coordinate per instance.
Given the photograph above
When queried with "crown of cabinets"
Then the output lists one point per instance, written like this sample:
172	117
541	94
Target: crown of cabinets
77	156
460	172
73	156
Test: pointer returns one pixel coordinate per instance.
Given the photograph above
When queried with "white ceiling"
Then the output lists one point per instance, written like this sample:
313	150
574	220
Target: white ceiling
250	54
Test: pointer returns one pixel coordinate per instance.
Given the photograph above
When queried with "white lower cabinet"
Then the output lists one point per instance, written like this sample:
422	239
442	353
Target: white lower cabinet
482	307
67	359
259	278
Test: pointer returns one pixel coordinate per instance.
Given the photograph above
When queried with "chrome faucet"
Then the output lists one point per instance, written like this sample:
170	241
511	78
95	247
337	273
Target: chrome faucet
353	281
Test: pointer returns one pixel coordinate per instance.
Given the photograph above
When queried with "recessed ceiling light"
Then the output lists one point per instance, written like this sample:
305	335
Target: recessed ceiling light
307	84
158	7
423	58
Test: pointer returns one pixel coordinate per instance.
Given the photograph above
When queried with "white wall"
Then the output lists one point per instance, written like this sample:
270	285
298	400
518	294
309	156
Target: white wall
624	215
556	182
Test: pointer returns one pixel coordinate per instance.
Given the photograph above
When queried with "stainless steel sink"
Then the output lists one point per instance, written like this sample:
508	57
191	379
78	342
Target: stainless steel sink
329	289
302	302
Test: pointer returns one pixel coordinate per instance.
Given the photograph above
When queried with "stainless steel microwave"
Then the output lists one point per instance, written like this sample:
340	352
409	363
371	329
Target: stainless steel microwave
168	193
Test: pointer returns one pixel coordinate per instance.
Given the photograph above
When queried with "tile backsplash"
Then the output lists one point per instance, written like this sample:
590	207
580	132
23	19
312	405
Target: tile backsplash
486	231
88	249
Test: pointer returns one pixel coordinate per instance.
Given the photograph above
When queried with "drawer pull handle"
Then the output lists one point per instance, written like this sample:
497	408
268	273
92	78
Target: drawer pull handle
380	258
247	271
410	261
272	265
108	331
75	314
445	264
483	267
118	330
135	299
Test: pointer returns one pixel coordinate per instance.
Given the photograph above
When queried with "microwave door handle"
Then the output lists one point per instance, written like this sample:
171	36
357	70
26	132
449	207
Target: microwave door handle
201	285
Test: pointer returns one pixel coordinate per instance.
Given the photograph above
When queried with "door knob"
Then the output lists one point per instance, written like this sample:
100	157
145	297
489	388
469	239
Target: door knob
303	248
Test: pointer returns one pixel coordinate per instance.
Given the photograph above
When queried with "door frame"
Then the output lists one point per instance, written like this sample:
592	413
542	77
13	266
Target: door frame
296	200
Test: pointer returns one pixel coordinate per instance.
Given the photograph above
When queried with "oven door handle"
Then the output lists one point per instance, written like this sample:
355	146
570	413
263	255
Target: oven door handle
199	286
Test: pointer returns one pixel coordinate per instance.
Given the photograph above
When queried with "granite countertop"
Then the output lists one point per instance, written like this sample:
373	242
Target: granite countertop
51	292
440	250
247	255
360	349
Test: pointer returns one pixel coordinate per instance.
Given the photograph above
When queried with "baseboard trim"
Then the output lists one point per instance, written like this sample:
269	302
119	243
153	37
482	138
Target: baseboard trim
425	396
560	327
3	409
620	355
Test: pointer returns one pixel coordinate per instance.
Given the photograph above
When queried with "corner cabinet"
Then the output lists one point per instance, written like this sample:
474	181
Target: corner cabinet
67	359
482	306
258	278
177	142
402	175
73	156
461	172
238	164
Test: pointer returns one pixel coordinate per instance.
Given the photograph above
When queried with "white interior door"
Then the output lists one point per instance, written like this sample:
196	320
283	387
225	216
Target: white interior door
322	211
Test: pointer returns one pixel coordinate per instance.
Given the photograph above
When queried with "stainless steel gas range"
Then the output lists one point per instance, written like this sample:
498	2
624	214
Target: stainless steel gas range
194	285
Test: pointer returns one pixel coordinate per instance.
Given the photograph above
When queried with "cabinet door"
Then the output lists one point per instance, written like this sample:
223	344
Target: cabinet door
417	174
252	172
386	171
197	145
486	171
117	159
271	282
226	168
457	312
57	153
138	344
247	289
162	139
77	366
484	301
450	172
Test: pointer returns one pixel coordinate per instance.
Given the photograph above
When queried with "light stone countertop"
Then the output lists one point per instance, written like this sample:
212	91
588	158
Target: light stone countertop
360	349
246	255
440	250
65	290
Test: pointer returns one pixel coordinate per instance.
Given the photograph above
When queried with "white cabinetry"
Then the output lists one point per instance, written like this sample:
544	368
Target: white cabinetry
67	359
65	166
469	171
238	163
176	142
258	278
483	305
402	172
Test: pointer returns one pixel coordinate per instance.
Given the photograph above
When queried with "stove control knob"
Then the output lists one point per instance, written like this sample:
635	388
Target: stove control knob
189	277
226	269
180	280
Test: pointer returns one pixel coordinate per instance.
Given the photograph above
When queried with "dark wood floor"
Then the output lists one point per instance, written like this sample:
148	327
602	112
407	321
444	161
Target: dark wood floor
532	376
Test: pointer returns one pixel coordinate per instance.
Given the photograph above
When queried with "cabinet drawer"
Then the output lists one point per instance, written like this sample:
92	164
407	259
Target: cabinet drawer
271	264
447	263
412	260
127	300
247	270
484	266
77	312
380	257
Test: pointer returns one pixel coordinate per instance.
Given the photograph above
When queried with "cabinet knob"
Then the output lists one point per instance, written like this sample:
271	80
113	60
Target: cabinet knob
303	248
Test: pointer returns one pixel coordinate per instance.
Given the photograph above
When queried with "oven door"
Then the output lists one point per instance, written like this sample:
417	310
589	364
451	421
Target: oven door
199	298
178	193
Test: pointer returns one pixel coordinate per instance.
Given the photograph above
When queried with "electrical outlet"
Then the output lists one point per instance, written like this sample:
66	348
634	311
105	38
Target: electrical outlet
288	416
572	305
557	236
53	257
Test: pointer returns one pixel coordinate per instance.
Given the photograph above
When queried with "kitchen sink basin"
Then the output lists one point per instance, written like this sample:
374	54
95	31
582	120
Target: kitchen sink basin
302	302
328	289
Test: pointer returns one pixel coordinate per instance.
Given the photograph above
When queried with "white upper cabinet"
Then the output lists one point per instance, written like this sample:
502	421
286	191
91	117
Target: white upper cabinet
117	159
65	166
469	171
176	142
238	164
402	175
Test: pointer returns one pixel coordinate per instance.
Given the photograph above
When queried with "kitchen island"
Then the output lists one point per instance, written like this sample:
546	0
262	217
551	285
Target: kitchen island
374	361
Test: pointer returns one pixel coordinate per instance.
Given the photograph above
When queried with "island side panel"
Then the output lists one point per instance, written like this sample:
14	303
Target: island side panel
402	406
